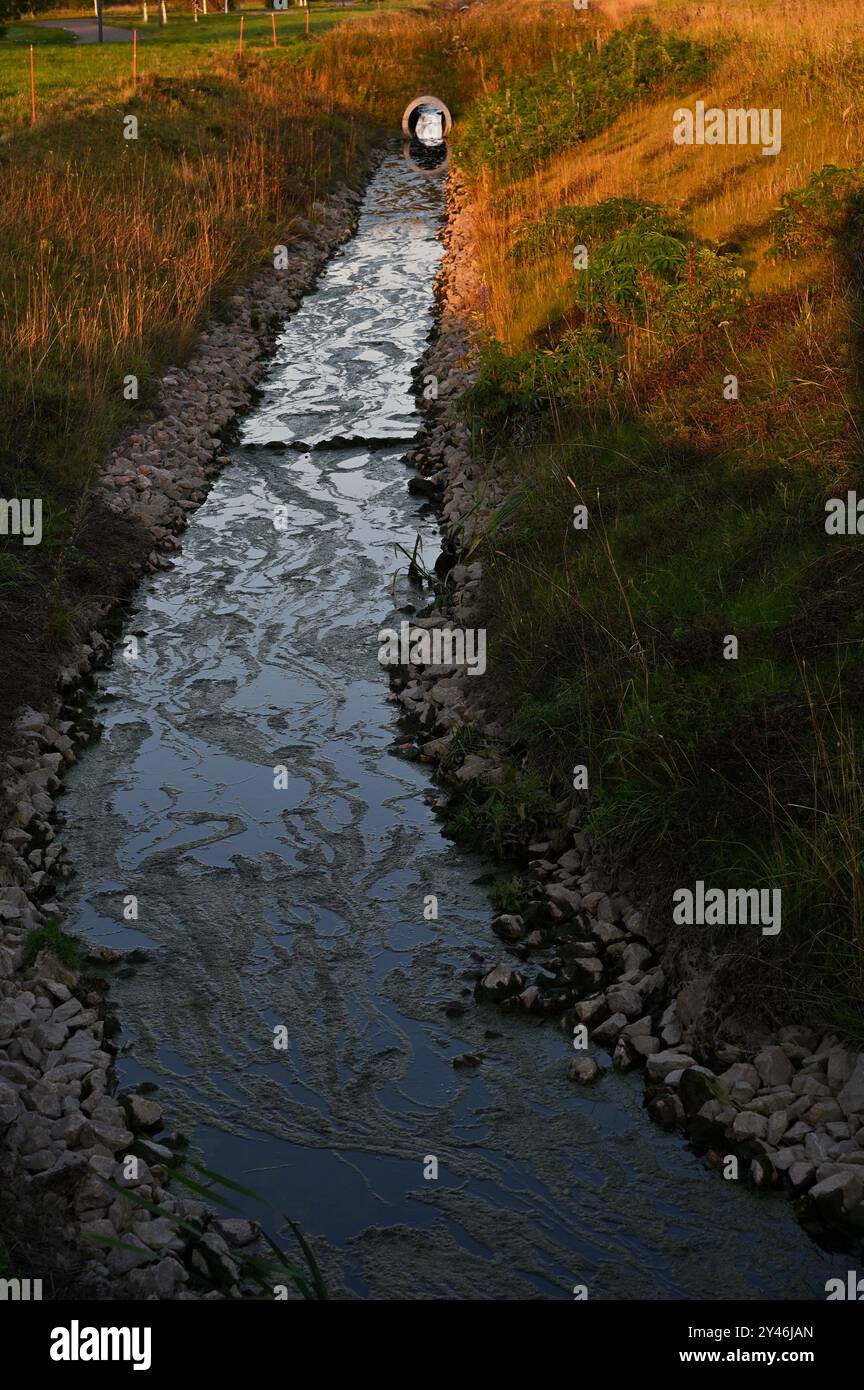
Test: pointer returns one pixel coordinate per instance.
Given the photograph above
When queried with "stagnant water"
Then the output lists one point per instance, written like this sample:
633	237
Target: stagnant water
303	907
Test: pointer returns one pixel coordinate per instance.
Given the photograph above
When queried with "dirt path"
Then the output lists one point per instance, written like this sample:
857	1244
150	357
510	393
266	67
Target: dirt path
87	30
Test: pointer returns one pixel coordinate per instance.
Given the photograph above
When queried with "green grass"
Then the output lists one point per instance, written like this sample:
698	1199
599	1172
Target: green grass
72	78
706	520
52	938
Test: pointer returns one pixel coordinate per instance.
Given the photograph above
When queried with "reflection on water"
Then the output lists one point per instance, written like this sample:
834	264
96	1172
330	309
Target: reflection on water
302	905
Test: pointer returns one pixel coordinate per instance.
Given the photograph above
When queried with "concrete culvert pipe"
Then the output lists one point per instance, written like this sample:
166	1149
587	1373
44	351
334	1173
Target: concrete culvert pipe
428	120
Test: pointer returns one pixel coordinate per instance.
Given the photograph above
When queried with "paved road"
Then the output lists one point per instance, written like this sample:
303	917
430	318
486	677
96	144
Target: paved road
87	30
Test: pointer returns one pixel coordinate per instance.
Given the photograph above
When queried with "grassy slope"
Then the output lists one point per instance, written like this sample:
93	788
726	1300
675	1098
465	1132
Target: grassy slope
706	514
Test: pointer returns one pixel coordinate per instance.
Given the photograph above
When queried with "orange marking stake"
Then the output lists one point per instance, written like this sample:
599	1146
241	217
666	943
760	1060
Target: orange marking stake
273	17
240	50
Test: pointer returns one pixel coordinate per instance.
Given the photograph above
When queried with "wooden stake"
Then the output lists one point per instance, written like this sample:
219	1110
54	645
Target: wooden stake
134	57
307	16
273	17
32	89
241	37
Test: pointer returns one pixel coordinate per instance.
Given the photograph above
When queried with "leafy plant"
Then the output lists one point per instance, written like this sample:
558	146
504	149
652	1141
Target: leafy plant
809	218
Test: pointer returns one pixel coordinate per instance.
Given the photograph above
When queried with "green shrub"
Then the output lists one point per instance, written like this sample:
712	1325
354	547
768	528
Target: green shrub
575	225
576	97
810	218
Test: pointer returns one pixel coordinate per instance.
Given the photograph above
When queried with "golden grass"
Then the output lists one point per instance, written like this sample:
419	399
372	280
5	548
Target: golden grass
787	56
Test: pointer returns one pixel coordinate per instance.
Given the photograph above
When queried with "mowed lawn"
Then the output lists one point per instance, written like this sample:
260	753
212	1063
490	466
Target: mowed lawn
71	76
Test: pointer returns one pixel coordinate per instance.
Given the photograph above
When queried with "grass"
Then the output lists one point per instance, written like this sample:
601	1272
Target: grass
706	507
52	938
72	78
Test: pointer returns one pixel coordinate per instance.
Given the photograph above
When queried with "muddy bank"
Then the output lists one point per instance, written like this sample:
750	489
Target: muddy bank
778	1108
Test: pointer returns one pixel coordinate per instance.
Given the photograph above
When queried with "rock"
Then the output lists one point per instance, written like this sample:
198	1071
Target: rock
159	1234
142	1114
237	1232
564	898
774	1067
801	1175
666	1109
158	1281
49	1037
696	1086
154	1153
606	933
740	1073
817	1147
135	1253
662	1063
607	1033
509	927
747	1125
624	999
797	1133
851	1097
500	983
777	1126
806	1085
822	1112
635	956
592	1010
762	1171
587	971
483	770
468	1060
584	1070
212	1257
624	1056
530	999
670	1029
64	1173
841	1064
837	1196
